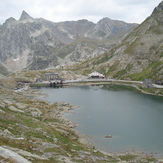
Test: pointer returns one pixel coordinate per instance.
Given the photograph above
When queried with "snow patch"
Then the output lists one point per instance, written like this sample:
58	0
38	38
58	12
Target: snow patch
15	59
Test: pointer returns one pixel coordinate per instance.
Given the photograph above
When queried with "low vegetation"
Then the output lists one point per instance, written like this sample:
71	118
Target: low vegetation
150	72
37	131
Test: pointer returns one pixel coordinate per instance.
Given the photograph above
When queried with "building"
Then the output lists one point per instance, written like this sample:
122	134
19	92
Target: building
148	83
51	76
96	75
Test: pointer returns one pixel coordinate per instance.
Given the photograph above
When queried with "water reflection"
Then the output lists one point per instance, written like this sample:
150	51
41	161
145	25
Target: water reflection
96	87
134	120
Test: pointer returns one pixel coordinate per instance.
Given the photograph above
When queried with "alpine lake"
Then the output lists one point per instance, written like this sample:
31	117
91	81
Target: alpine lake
131	120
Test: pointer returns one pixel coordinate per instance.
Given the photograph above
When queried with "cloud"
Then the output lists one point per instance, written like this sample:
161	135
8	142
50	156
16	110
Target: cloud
61	10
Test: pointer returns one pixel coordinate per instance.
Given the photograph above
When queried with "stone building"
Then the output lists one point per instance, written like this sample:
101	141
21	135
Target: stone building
51	76
148	83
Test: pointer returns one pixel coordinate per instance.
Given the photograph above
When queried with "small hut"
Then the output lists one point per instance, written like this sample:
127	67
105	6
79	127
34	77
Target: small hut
96	75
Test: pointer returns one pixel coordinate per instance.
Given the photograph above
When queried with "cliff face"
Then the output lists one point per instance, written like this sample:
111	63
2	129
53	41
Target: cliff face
38	43
139	56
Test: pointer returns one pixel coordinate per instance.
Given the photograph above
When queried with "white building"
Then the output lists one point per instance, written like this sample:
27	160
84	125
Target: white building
96	74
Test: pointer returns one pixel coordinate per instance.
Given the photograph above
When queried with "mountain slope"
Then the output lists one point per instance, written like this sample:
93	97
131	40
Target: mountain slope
139	56
3	70
111	29
37	43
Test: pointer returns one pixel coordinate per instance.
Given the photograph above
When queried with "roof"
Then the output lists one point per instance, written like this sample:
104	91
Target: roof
95	73
52	73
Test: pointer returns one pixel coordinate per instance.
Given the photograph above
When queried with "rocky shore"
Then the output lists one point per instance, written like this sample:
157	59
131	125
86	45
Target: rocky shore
32	130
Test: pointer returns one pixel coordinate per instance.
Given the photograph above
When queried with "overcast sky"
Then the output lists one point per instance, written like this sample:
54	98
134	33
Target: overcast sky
131	11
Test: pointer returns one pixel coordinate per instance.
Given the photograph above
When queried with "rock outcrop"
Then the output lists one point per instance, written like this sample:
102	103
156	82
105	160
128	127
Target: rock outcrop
34	44
33	130
139	56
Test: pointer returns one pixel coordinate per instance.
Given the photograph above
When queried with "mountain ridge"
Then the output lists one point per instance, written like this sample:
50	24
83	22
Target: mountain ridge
30	43
140	54
25	16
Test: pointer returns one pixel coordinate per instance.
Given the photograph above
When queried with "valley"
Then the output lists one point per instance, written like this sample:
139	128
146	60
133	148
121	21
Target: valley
126	55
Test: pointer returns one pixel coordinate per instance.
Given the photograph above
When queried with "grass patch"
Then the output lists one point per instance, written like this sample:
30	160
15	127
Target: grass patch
64	52
77	147
156	30
101	59
62	139
4	141
127	157
39	135
7	122
130	49
150	72
21	144
120	73
28	121
51	120
150	159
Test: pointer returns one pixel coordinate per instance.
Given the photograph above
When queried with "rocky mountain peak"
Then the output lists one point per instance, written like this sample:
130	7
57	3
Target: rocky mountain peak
37	43
25	16
139	55
105	20
159	8
10	21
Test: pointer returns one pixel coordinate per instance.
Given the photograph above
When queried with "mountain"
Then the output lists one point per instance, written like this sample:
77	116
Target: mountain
3	70
140	54
110	29
30	43
25	16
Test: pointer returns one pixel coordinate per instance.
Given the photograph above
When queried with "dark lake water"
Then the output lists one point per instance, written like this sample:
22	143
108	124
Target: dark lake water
134	120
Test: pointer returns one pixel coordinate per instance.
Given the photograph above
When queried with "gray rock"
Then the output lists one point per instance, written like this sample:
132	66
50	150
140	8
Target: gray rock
35	112
12	108
21	106
2	111
38	43
140	52
6	153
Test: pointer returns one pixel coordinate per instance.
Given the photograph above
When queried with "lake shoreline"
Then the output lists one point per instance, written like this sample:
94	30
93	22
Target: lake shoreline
135	85
120	83
85	138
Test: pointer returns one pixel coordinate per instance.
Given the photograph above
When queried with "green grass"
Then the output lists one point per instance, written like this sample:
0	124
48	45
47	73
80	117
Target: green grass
130	49
149	72
63	53
120	73
28	121
6	122
102	59
127	157
150	159
152	90
123	73
156	30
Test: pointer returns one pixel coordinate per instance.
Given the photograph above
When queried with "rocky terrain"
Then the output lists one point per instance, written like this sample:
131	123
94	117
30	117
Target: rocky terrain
33	130
3	70
38	43
139	56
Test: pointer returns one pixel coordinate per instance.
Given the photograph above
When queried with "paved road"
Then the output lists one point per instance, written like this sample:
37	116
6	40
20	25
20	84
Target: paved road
158	86
100	80
109	80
